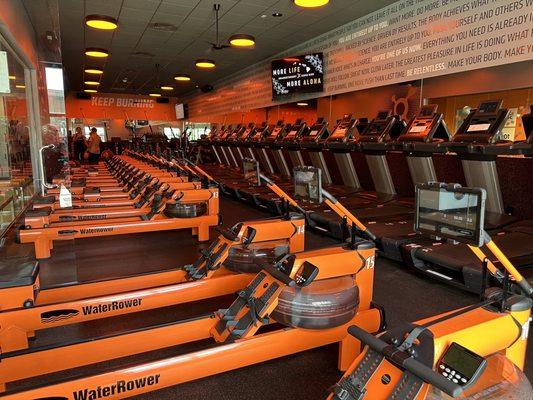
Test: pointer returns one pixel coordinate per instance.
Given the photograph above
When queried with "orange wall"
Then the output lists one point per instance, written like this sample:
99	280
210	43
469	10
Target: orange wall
112	107
13	18
288	113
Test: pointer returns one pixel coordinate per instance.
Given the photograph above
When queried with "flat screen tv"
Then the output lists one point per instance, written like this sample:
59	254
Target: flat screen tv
299	74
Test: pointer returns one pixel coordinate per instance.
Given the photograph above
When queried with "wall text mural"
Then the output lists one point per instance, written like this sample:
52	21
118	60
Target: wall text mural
407	40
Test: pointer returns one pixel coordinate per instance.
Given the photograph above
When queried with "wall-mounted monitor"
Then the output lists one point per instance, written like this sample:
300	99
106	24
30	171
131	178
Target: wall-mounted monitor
181	111
299	74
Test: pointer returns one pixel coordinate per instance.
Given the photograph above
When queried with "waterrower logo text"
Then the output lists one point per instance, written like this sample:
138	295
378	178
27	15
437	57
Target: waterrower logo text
115	389
89	231
112	306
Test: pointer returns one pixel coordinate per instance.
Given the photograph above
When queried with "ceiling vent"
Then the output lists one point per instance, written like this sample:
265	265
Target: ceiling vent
160	26
143	54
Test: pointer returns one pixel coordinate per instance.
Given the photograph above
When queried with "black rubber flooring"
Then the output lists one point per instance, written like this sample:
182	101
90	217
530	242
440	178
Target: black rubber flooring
406	296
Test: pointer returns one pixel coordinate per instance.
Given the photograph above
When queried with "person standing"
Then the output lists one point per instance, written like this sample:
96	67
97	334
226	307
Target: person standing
79	144
94	147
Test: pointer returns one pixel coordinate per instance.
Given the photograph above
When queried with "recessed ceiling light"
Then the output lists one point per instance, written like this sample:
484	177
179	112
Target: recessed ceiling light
277	14
96	52
204	63
92	83
167	88
264	16
182	78
155	95
94	70
90	91
12	77
101	22
311	3
242	40
19	86
302	104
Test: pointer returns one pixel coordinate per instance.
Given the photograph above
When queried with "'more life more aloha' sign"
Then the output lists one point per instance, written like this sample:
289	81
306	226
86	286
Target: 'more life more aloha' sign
407	40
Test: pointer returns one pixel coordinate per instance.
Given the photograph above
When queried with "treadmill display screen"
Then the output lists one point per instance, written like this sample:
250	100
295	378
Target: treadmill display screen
308	184
452	213
300	74
428	111
251	171
382	115
489	107
340	132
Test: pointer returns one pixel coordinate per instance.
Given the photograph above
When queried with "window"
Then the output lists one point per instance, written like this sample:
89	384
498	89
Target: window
171	133
100	130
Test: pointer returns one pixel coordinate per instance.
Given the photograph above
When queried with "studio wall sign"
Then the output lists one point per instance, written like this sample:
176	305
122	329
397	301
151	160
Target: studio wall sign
407	40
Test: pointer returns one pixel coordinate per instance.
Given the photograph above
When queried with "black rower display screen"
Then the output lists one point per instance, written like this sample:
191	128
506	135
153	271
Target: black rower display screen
460	365
299	74
451	213
251	171
308	184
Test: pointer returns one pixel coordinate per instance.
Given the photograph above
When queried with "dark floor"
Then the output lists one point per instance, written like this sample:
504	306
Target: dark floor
406	297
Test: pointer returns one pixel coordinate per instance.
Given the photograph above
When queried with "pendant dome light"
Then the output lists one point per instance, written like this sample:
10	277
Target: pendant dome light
182	78
93	70
96	52
102	22
205	63
311	3
242	40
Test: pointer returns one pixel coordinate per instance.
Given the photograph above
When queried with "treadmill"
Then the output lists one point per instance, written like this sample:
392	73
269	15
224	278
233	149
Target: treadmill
239	146
338	144
232	144
312	148
261	150
478	143
274	148
290	146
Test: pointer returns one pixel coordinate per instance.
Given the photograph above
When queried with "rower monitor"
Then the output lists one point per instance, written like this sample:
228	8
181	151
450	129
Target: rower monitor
251	171
460	365
308	184
451	212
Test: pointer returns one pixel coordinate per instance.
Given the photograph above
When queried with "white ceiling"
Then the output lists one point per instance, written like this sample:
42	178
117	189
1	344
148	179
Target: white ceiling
177	50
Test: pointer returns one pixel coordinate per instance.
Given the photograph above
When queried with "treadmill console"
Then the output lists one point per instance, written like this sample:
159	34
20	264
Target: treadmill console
249	132
484	124
383	128
460	365
344	130
427	126
308	184
451	211
295	131
317	132
259	132
275	133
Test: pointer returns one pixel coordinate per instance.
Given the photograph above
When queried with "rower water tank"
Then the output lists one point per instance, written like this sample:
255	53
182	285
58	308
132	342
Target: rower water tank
249	259
321	305
185	210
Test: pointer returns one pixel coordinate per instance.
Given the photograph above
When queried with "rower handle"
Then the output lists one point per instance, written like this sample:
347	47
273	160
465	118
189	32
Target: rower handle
277	274
409	364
